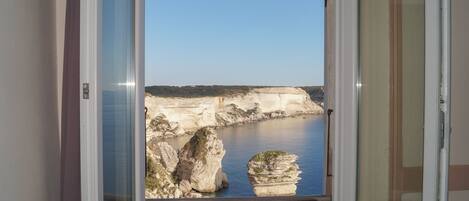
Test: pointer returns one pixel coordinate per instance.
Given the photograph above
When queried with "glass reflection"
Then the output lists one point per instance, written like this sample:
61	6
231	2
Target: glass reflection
118	99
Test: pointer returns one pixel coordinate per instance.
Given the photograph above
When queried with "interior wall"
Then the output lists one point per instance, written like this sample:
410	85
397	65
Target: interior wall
29	144
459	157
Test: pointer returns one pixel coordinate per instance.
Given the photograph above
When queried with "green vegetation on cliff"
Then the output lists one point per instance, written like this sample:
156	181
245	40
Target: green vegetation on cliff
316	92
267	156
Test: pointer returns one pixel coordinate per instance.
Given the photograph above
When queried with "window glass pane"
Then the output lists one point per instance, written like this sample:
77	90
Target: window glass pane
391	110
118	96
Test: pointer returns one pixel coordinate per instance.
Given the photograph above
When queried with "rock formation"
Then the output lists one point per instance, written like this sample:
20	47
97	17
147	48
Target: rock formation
196	169
200	162
174	116
274	173
159	183
164	154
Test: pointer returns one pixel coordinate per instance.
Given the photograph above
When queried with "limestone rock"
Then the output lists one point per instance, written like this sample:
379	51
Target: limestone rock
194	195
274	173
159	183
200	162
171	116
185	187
160	126
164	153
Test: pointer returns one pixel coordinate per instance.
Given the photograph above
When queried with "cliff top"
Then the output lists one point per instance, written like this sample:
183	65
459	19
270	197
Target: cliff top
316	92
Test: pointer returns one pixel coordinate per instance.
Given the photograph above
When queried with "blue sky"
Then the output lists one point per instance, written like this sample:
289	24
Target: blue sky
234	42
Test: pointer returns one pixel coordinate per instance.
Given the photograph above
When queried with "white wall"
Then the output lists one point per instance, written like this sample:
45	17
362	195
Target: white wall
29	143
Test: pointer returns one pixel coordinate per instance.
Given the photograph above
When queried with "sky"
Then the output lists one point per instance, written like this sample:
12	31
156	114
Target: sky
234	42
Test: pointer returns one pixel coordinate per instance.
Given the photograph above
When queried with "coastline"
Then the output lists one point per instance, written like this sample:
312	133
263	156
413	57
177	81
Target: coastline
174	116
303	116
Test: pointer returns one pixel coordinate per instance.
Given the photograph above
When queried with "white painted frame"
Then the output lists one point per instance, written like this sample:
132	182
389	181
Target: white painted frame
445	106
346	58
139	100
432	100
90	109
346	100
347	93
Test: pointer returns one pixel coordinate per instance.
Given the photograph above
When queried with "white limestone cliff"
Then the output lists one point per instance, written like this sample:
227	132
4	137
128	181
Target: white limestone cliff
174	116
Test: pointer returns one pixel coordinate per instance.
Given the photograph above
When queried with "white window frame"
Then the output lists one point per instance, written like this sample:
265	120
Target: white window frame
346	82
90	109
91	155
347	86
346	100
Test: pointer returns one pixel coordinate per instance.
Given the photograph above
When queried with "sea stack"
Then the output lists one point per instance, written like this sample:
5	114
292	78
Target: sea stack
200	162
274	173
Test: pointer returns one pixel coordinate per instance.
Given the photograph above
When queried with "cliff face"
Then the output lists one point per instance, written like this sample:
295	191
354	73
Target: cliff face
173	116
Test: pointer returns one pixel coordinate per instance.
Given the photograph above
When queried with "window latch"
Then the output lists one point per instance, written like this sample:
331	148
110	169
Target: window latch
86	90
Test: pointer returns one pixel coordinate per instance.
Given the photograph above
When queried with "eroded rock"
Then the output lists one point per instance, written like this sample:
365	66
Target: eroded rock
200	162
274	173
164	153
160	126
159	183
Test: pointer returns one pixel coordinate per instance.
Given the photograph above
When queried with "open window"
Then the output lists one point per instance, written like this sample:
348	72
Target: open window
379	62
234	98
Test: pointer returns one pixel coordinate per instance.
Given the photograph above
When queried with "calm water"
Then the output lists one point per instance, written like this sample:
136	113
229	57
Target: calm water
303	136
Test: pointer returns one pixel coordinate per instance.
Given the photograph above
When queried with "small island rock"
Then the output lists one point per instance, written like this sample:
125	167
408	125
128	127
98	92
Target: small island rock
274	173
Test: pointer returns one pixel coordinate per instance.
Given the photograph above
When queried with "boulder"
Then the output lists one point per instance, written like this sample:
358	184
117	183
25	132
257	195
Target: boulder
274	173
200	162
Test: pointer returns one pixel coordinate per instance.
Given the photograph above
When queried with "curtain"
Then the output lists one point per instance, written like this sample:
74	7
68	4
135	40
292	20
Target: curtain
70	144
